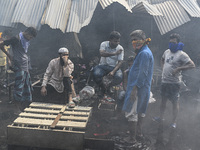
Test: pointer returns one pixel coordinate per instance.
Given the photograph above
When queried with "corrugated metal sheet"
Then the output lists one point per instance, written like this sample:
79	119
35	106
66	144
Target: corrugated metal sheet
57	13
140	6
106	3
29	12
191	6
72	15
157	1
80	14
174	16
145	7
6	12
133	3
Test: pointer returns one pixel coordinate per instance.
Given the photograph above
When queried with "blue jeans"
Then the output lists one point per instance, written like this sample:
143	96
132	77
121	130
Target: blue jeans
101	70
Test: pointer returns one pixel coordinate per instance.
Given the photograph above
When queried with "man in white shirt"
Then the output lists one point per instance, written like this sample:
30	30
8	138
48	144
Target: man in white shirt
57	77
112	55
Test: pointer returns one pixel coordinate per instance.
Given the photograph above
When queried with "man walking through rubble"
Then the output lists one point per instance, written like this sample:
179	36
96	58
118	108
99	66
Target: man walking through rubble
20	44
173	61
138	85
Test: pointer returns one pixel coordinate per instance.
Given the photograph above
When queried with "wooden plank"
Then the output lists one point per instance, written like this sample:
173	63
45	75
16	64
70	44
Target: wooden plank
44	138
42	110
76	113
46	129
29	121
46	105
74	118
36	82
47	111
57	106
42	122
48	116
63	109
33	115
53	125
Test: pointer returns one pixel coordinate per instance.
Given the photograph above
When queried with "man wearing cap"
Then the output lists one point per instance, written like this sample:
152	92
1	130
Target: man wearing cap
58	79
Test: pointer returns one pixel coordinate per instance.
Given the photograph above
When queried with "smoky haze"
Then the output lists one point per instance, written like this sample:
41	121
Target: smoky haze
115	17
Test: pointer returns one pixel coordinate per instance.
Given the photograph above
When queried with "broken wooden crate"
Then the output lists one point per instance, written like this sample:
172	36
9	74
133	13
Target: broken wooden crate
48	125
107	105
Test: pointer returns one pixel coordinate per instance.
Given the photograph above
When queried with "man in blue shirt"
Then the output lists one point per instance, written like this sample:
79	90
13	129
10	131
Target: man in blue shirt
139	84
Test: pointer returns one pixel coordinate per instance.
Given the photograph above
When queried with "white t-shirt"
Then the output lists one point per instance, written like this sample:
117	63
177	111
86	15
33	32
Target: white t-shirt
112	60
171	62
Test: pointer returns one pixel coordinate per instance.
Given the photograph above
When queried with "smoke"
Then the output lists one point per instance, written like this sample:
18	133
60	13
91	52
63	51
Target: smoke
115	17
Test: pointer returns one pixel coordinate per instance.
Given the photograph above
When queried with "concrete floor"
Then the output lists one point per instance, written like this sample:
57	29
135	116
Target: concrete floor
185	137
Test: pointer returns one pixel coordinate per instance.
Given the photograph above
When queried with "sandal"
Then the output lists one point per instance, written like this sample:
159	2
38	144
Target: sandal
76	99
71	104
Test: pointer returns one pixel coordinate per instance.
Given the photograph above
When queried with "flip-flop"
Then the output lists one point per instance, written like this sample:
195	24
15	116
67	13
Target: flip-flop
76	99
71	104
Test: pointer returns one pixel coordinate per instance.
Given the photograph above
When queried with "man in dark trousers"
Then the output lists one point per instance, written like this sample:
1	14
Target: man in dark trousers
173	62
20	44
57	79
138	85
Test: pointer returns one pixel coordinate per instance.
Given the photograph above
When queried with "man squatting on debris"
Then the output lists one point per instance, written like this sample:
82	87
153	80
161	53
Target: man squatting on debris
112	55
173	61
58	79
20	44
139	84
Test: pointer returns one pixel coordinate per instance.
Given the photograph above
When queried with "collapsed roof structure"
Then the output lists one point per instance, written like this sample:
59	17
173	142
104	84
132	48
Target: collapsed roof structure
72	15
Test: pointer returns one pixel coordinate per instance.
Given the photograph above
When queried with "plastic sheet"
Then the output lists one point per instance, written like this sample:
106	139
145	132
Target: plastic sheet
86	93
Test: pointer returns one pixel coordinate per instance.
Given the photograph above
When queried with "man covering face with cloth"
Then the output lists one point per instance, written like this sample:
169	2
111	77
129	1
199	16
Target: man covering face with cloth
173	61
57	79
139	84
